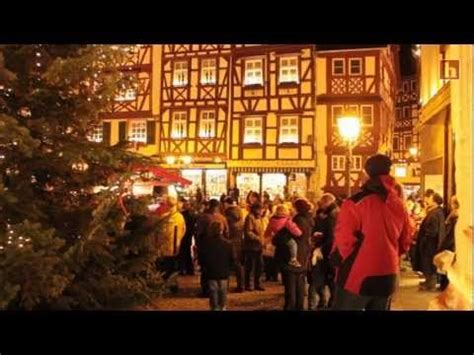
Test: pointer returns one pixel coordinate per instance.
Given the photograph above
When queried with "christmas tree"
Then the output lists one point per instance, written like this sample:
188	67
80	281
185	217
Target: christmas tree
64	244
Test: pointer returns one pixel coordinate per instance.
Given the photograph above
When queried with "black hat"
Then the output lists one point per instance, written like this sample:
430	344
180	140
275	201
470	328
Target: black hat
229	200
213	203
256	207
378	164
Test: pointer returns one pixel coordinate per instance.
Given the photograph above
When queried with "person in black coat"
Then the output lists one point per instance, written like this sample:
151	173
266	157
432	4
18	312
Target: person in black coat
235	220
218	260
187	266
321	273
449	242
432	231
294	278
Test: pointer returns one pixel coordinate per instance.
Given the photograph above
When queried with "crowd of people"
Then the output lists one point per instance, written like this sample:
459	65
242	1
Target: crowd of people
345	254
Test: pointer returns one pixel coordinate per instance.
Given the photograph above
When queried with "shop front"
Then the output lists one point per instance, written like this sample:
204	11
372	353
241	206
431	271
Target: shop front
277	180
211	182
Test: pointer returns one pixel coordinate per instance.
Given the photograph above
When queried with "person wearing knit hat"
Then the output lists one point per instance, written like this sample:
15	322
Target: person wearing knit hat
378	164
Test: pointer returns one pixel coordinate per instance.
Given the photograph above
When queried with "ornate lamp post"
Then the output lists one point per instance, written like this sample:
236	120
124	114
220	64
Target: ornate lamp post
349	130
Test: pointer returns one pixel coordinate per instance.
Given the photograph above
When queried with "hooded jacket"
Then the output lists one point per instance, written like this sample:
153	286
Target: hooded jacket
277	223
372	231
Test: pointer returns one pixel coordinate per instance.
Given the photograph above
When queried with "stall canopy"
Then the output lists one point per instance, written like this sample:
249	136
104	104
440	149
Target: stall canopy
161	176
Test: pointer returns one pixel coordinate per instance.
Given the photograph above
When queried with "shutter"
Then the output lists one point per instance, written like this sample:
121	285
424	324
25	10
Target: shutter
150	132
122	131
106	133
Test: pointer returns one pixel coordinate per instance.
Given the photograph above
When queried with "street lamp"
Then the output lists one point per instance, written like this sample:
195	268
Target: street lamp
349	130
170	160
413	151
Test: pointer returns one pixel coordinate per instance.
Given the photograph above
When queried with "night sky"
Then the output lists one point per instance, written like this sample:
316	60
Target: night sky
407	61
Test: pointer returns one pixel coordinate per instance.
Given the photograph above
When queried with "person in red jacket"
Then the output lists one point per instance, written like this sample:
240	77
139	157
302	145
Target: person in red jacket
372	231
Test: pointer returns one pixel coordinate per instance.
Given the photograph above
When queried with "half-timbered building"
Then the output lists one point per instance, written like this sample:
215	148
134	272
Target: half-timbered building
131	116
194	113
359	81
272	118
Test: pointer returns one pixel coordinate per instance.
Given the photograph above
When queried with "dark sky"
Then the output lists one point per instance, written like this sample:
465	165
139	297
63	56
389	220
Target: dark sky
407	61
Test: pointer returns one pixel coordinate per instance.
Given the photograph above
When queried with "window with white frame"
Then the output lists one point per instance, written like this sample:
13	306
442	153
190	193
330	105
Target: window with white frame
288	70
338	67
97	134
180	73
208	71
367	115
337	111
355	66
137	131
126	95
338	163
207	125
253	72
179	124
289	130
253	128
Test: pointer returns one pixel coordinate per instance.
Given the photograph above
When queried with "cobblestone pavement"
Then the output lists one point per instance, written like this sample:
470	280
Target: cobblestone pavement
407	298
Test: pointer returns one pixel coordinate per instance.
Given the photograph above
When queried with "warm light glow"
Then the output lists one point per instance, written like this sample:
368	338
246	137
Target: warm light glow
289	130
413	151
288	70
217	160
137	132
417	50
400	171
253	130
186	159
172	191
80	166
127	95
141	189
349	128
170	160
253	72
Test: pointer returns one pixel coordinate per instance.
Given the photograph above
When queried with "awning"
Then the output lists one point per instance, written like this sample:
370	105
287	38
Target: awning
162	176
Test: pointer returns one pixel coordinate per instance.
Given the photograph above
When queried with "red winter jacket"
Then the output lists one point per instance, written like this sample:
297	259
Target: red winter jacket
372	231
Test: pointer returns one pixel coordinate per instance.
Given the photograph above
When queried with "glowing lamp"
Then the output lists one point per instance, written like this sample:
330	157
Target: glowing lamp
170	160
400	171
349	128
413	151
186	159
